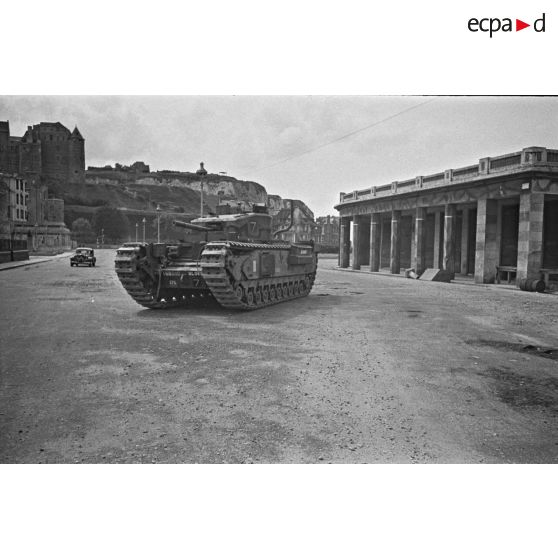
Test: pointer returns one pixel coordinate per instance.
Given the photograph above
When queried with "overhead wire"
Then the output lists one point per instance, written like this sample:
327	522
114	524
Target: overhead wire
341	138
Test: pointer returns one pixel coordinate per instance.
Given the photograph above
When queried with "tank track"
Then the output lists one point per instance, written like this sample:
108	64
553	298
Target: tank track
248	294
127	263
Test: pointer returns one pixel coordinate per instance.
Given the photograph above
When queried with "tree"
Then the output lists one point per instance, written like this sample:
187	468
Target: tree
82	232
112	223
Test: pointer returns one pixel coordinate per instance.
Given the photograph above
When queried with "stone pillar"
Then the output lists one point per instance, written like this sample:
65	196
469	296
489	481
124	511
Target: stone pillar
418	256
375	237
356	241
449	238
344	241
530	238
464	241
436	263
486	248
394	261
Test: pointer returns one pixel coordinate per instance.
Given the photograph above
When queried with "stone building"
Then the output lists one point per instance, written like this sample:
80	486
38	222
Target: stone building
47	149
326	233
494	220
303	225
29	220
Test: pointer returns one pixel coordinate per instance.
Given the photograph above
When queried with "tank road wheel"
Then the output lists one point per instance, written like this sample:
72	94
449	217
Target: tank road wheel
295	288
272	293
239	292
285	290
302	287
250	299
291	289
265	295
258	296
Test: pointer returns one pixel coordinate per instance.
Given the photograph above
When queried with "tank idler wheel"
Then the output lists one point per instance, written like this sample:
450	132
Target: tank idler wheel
265	295
258	296
250	299
273	294
285	291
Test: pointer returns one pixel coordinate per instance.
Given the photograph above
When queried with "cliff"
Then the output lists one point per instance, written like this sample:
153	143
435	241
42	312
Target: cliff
136	194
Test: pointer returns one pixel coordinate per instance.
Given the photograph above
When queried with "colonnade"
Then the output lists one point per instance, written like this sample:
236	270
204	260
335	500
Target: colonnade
367	238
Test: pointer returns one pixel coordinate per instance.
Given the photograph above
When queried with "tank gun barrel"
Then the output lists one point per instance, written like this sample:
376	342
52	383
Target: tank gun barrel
191	226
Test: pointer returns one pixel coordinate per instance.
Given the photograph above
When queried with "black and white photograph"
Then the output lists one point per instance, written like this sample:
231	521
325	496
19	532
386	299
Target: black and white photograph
337	280
278	281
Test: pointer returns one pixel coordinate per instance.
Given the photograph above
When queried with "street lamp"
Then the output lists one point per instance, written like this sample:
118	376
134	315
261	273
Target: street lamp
136	232
202	173
158	210
143	221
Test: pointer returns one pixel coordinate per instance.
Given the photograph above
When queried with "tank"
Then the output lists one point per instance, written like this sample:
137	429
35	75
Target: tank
231	259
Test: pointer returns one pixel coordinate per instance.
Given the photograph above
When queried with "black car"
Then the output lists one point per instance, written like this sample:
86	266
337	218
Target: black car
83	256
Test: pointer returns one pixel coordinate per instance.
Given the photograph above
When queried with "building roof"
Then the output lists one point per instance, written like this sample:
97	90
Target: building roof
76	133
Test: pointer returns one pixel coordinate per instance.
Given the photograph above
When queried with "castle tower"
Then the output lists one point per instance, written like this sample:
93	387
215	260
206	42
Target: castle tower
76	157
30	152
4	145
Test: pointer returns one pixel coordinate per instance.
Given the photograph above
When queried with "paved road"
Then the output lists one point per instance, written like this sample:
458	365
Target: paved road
366	369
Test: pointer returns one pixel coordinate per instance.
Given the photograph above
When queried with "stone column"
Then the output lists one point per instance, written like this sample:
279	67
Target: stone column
375	237
418	257
344	241
449	238
394	262
486	247
436	263
464	241
530	238
357	224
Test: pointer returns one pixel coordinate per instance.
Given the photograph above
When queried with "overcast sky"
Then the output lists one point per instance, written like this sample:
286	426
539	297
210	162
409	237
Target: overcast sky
250	137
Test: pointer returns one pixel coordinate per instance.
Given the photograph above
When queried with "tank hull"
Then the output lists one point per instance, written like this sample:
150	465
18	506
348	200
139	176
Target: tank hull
234	275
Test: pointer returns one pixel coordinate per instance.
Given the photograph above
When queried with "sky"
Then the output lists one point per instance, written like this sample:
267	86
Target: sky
304	147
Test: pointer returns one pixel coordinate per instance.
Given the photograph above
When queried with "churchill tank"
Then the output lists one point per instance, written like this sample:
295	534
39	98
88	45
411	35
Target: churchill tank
231	259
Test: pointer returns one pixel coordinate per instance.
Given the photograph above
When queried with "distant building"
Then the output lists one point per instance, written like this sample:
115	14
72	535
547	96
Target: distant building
326	233
303	225
137	167
48	150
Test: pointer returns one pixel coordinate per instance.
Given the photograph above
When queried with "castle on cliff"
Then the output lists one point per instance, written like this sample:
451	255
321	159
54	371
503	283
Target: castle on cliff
47	149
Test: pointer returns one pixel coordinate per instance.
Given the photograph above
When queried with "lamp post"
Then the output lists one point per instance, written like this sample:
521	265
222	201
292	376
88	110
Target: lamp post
202	173
143	221
136	232
158	210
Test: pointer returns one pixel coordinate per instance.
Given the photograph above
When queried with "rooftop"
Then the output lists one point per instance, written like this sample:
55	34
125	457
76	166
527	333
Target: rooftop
487	167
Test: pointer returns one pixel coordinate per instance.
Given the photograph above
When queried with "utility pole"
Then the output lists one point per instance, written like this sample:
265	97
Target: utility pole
202	173
158	210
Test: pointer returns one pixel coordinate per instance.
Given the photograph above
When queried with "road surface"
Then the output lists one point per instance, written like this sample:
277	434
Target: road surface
367	369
